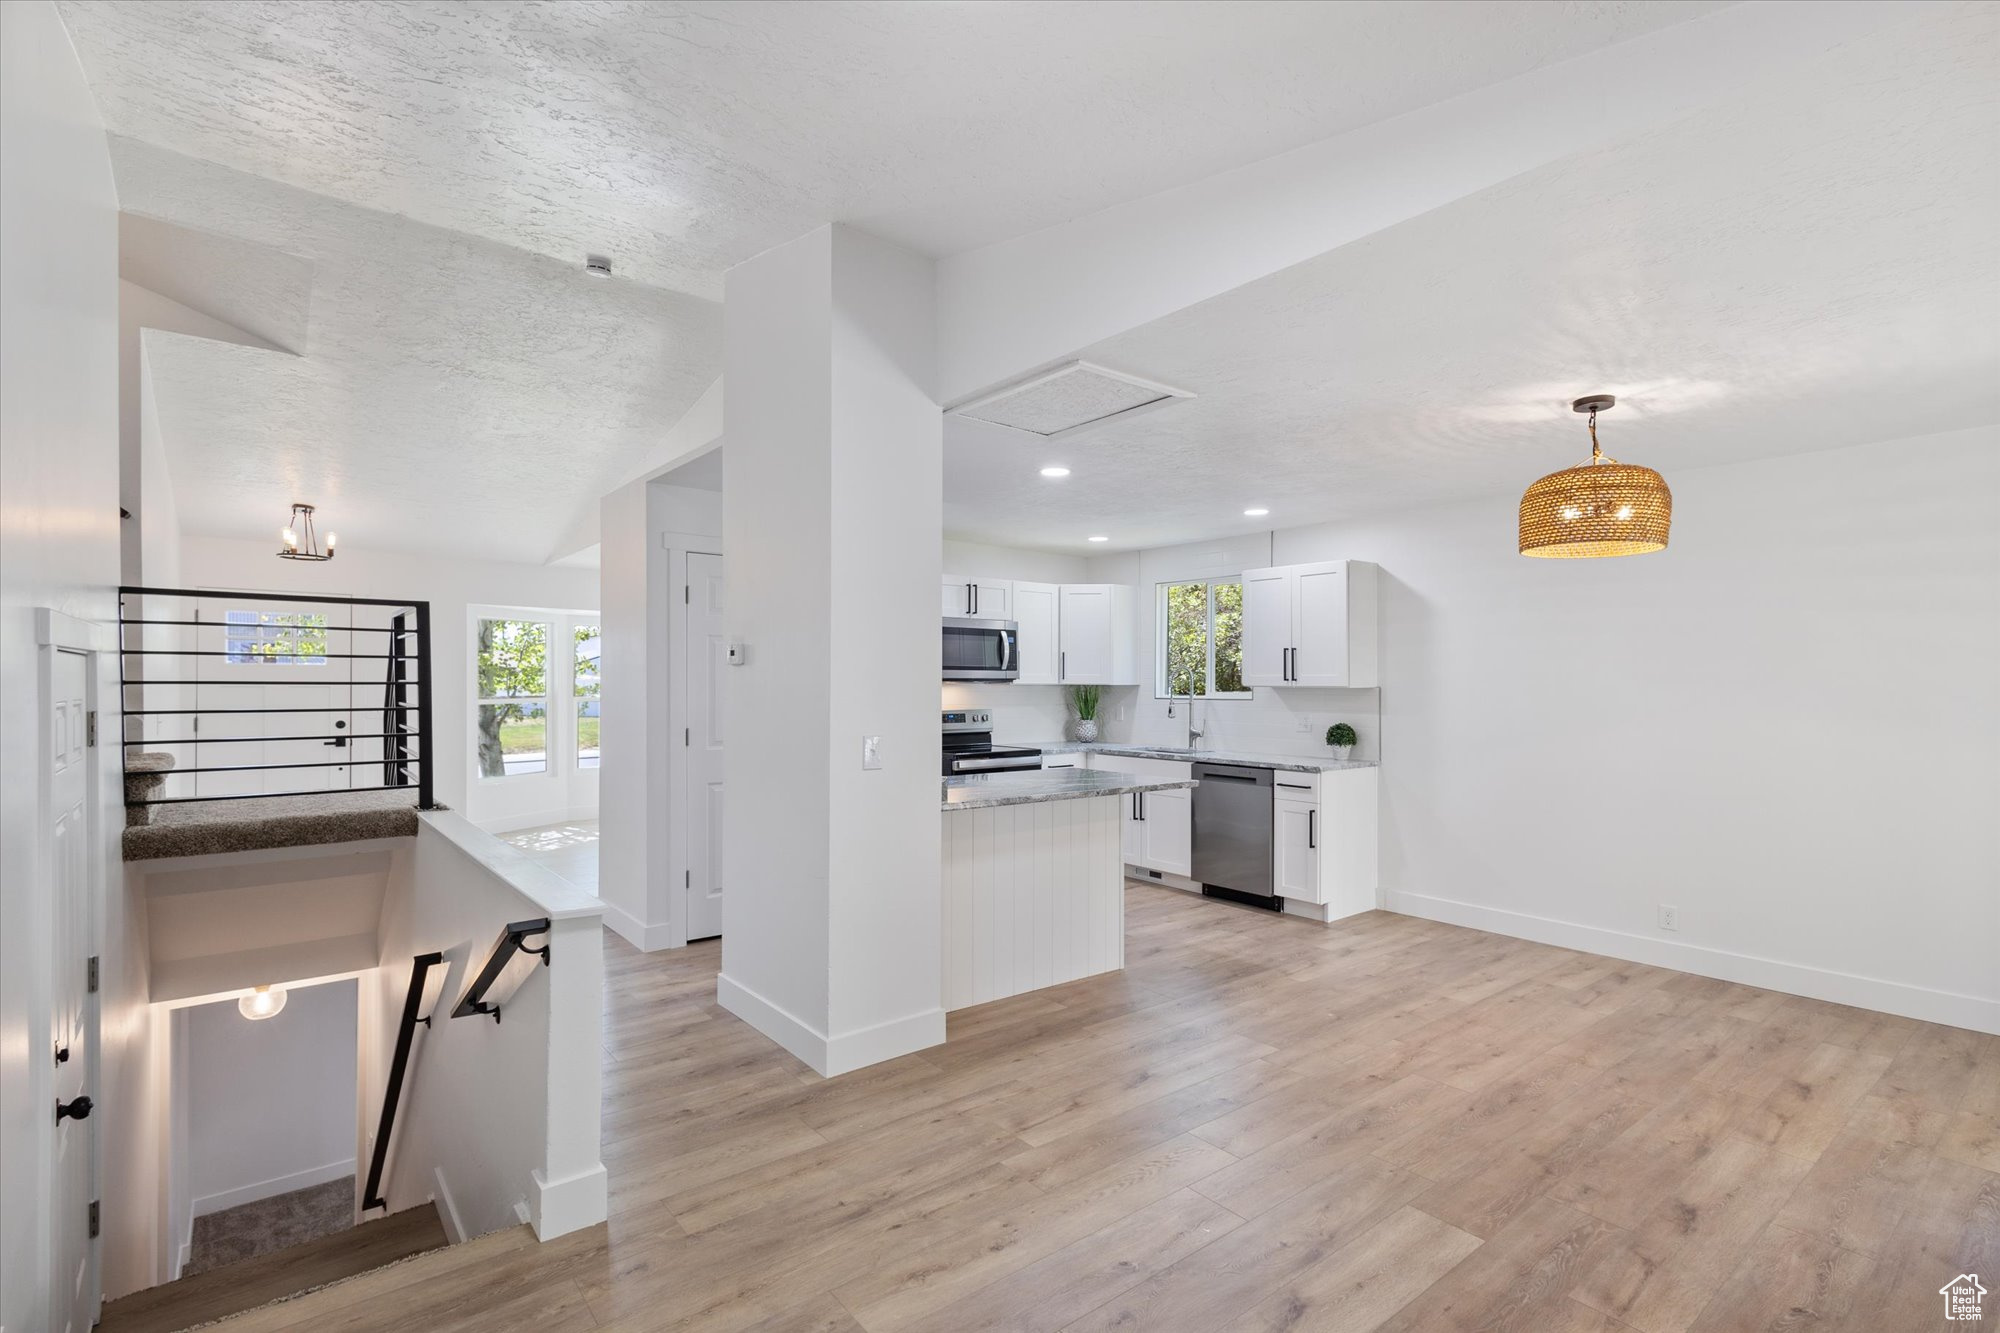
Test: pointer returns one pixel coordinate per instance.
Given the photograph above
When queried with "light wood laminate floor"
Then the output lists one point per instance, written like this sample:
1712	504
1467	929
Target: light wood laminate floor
1265	1124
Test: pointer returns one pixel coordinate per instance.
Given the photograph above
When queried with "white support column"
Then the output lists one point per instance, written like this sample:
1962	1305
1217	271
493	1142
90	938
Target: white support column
832	504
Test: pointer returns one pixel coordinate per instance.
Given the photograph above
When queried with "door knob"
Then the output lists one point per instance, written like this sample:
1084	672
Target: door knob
76	1110
62	1055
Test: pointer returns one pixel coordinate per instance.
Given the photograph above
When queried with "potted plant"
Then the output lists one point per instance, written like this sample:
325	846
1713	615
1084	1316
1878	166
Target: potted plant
1342	738
1085	699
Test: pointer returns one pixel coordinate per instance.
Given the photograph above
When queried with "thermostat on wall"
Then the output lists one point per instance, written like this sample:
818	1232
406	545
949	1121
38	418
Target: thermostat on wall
739	653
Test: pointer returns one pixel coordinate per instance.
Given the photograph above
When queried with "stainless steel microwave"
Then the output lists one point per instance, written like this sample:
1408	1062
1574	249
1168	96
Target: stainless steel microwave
976	649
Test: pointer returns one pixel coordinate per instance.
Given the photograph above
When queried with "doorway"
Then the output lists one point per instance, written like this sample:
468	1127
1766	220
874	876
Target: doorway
71	865
707	648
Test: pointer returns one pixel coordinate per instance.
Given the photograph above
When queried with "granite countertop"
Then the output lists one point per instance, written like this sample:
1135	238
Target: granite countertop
980	791
1289	763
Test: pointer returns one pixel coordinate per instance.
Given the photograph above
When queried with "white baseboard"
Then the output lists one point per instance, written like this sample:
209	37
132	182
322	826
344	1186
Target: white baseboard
885	1041
559	1207
1889	997
265	1189
826	1055
447	1211
637	933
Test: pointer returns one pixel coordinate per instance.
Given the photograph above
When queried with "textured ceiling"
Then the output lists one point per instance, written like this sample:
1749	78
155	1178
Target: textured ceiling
682	138
451	392
1808	267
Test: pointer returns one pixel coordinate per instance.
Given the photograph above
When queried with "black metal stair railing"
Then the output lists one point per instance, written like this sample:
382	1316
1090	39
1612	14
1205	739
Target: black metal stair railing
511	944
399	1066
217	682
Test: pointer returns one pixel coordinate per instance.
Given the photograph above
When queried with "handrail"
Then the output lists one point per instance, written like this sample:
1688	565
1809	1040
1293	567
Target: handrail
399	1064
406	753
510	942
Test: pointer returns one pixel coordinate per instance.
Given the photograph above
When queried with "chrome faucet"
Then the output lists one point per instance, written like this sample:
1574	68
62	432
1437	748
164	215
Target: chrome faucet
1194	733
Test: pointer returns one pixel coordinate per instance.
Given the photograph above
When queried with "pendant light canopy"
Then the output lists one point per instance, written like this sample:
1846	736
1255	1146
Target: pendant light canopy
301	542
1602	508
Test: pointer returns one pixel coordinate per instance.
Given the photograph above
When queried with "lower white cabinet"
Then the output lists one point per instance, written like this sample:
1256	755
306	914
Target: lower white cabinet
1159	825
1295	849
1166	831
1323	841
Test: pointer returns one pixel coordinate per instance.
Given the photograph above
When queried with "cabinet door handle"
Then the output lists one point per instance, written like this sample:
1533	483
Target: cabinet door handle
1312	828
1062	666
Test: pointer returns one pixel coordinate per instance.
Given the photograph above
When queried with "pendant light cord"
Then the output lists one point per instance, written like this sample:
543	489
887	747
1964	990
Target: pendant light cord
1596	454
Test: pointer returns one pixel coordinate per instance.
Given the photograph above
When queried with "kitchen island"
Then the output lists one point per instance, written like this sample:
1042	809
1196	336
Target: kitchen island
1033	879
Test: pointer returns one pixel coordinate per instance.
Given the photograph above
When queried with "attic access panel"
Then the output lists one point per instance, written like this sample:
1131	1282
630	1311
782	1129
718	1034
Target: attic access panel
1070	399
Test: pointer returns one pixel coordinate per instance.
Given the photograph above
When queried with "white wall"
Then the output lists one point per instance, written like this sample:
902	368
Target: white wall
1786	725
451	586
648	529
1026	713
832	506
59	547
495	1114
271	1104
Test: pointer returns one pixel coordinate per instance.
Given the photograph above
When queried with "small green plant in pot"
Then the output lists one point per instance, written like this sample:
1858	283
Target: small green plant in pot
1084	697
1342	738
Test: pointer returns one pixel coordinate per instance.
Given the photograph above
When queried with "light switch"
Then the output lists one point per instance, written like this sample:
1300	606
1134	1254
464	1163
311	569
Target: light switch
871	752
739	653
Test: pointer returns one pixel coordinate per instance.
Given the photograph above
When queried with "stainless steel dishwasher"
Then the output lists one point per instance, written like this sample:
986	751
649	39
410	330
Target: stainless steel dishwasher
1232	833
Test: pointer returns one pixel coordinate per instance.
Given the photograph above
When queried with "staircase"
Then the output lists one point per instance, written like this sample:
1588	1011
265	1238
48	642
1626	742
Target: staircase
250	1283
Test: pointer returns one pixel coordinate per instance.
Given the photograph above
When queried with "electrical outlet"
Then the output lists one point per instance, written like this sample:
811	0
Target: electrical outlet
871	752
1670	917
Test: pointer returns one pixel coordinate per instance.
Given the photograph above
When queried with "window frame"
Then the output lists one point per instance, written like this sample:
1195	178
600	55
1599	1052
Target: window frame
576	701
1162	627
551	625
270	629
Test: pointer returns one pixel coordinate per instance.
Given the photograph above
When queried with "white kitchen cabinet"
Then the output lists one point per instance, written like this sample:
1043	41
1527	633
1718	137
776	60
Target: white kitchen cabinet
1310	625
1050	761
1323	842
1166	831
1295	848
1158	831
1096	633
987	599
1037	612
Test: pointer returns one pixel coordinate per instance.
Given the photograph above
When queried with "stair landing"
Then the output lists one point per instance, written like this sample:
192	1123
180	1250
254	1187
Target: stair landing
250	1283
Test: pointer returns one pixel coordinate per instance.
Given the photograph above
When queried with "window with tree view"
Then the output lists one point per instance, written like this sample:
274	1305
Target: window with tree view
1201	639
587	686
513	697
274	638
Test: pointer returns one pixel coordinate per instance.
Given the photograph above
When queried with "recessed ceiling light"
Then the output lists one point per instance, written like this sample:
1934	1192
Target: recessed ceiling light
1100	539
1055	472
1255	513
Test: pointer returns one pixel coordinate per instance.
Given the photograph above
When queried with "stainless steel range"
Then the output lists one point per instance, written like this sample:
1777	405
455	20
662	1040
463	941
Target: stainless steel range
969	747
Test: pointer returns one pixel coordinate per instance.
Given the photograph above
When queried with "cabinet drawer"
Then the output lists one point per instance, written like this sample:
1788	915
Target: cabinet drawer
1289	786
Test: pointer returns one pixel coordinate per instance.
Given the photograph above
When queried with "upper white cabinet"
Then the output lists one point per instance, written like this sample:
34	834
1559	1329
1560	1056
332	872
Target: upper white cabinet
1095	635
1310	625
1037	612
988	599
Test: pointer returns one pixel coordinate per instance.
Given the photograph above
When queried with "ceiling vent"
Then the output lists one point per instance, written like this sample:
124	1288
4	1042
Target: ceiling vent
1070	399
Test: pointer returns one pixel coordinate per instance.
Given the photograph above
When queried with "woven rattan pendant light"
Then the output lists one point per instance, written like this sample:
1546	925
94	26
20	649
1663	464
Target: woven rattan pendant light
1601	508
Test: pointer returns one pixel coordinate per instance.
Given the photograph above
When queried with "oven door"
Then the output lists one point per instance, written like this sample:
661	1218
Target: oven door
980	649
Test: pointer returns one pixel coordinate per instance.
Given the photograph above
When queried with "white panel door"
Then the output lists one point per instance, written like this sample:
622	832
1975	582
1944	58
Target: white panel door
993	599
1035	613
74	1015
1085	648
1267	626
957	596
278	723
1320	614
1167	831
1295	850
707	662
